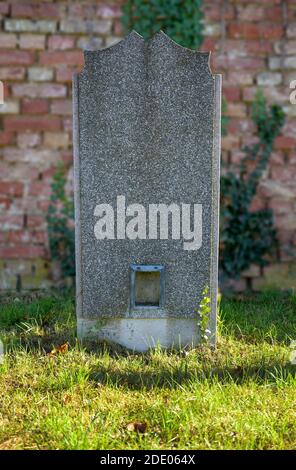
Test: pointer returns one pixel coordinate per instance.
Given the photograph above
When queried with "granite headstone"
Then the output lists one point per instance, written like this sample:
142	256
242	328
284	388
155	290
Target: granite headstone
146	165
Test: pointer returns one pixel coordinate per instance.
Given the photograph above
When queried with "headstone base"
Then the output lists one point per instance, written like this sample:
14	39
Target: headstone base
141	334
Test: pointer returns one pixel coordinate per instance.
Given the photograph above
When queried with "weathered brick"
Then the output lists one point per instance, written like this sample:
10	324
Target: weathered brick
241	47
63	107
40	237
4	8
231	93
255	31
40	74
79	10
64	74
27	140
290	110
291	30
275	63
11	222
269	188
10	107
40	189
43	10
11	188
274	14
35	106
289	62
32	41
109	11
276	158
236	110
236	156
285	47
289	127
34	123
248	140
84	26
12	73
236	125
230	62
117	28
19	237
15	57
212	30
209	44
43	205
68	123
229	142
269	79
89	43
3	235
280	206
20	25
288	77
292	157
43	157
35	221
8	40
56	140
283	173
259	47
24	171
61	57
283	142
251	13
58	42
22	252
213	13
6	138
239	78
39	90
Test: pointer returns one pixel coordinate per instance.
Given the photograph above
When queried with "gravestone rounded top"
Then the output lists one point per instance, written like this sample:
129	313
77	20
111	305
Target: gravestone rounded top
159	42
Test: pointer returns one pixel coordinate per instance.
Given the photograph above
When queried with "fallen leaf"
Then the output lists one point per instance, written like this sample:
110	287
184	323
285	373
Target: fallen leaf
66	399
137	427
59	350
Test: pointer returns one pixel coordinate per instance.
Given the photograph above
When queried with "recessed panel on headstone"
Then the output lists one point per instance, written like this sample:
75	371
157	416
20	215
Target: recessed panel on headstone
147	151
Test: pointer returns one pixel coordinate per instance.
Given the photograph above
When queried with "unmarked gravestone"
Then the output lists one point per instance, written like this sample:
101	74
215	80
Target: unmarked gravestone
146	161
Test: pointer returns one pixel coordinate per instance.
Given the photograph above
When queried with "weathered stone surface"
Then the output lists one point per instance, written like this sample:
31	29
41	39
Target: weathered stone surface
147	127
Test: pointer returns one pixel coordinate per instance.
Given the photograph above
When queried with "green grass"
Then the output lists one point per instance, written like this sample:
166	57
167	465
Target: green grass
240	396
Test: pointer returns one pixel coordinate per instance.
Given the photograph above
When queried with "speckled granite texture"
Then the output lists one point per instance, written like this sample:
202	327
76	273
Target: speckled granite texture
146	126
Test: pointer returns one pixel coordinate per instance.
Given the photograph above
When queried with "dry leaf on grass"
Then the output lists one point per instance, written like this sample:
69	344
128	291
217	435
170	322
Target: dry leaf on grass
62	349
138	427
66	399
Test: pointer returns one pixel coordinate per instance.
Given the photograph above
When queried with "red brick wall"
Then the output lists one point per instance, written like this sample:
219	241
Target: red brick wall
254	43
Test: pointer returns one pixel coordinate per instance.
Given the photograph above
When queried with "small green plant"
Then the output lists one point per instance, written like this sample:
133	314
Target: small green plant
248	237
180	20
60	223
204	312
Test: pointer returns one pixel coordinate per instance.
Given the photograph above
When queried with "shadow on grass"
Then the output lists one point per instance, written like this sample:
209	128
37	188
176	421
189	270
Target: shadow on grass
271	317
165	377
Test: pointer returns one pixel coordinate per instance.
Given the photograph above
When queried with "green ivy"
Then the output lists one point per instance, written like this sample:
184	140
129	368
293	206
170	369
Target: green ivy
180	20
203	315
60	222
248	237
